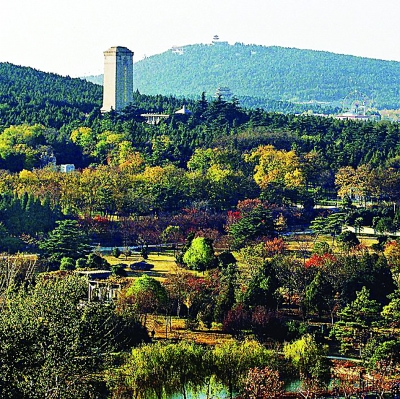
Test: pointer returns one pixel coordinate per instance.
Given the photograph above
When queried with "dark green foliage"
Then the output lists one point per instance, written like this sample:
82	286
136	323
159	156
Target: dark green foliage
384	225
119	270
379	353
362	310
348	239
66	240
144	252
319	296
370	271
31	96
116	252
225	259
8	243
253	225
352	331
51	344
27	215
81	263
95	261
260	290
296	329
225	299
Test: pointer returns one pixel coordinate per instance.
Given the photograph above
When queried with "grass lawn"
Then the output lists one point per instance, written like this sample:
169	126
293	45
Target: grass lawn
164	264
305	243
177	330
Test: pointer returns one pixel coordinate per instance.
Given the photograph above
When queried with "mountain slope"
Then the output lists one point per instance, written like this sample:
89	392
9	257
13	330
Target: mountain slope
32	96
276	73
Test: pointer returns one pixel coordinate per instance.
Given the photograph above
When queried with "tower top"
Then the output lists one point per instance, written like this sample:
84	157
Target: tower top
118	50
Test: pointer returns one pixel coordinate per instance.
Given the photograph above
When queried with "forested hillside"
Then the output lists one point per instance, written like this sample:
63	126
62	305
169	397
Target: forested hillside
273	73
31	96
270	72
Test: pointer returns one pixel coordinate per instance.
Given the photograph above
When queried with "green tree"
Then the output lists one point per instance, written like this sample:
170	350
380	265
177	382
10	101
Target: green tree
200	255
146	295
391	312
352	331
165	369
66	240
261	288
226	292
252	225
96	261
52	347
172	235
232	361
319	296
119	270
309	359
9	243
116	252
347	240
362	310
67	263
328	225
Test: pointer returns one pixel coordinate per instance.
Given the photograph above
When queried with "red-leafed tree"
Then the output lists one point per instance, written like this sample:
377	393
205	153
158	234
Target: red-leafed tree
320	261
262	383
276	246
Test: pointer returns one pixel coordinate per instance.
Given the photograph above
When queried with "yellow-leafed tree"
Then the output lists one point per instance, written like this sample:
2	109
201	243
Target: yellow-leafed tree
276	169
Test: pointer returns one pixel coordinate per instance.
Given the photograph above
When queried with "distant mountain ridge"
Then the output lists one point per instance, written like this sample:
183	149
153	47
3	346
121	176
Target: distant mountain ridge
275	73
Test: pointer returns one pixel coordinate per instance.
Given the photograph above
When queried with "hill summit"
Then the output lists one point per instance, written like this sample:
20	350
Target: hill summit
275	73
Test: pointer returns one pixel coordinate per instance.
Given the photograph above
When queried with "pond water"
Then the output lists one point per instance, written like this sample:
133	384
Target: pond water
215	393
221	393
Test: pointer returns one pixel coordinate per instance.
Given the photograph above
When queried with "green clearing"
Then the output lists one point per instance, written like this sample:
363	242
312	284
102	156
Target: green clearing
164	264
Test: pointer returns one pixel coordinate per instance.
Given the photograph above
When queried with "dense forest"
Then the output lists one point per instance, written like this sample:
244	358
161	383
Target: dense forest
261	74
31	96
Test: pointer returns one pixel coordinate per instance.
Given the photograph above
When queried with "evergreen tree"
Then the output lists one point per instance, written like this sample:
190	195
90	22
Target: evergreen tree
319	295
66	240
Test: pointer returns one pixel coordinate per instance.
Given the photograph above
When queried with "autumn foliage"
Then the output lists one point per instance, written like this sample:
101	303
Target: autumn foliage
318	261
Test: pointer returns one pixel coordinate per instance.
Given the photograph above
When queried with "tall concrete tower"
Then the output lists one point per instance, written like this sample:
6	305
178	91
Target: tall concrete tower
118	78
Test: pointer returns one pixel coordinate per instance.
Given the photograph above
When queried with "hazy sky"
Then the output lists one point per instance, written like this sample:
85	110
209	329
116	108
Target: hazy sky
69	36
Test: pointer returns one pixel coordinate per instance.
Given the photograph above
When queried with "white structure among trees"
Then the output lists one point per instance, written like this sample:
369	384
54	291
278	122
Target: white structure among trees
118	78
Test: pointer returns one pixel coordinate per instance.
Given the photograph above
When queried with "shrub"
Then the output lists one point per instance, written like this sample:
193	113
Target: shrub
81	263
348	239
95	261
144	253
67	263
116	252
119	270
